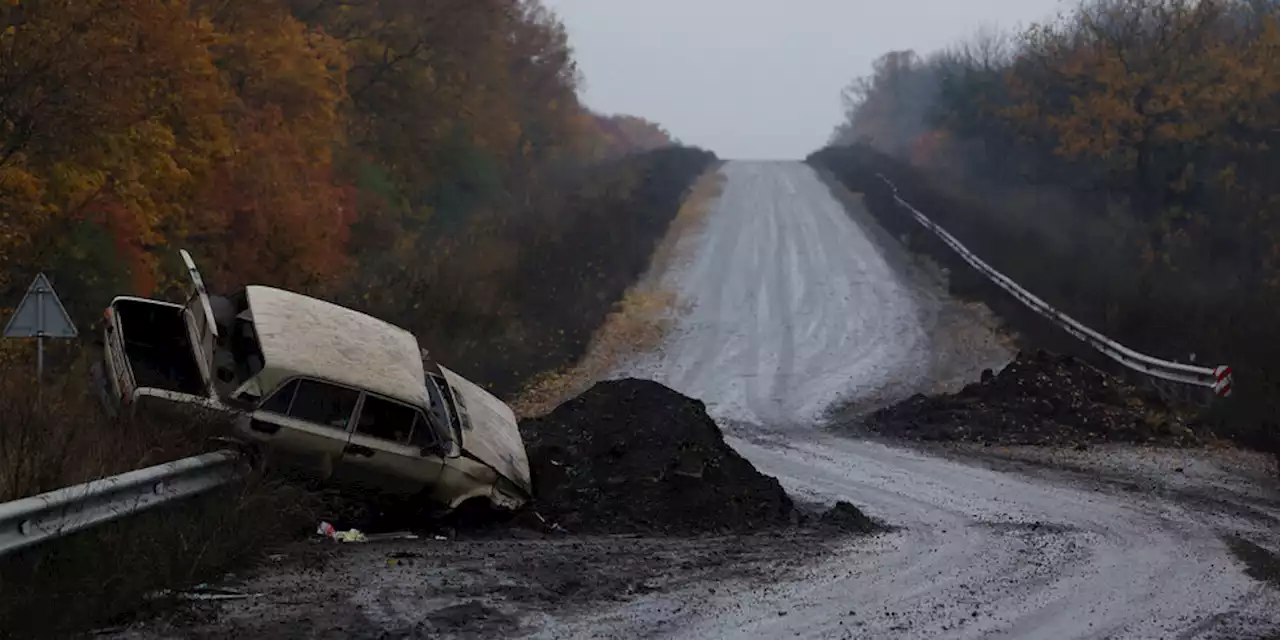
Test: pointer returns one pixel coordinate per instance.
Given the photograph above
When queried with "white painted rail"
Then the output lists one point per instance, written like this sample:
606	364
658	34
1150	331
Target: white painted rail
32	520
1217	378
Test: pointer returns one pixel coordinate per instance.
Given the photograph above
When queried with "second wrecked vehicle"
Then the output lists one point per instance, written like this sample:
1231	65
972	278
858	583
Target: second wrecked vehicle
334	393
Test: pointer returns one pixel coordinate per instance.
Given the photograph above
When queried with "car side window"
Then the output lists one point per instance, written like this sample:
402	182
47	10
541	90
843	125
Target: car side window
323	403
424	434
386	420
280	400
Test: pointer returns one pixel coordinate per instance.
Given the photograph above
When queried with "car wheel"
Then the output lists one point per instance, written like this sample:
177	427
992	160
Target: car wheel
474	514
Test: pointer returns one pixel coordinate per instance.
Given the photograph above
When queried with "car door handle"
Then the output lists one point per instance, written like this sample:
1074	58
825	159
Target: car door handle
264	427
358	450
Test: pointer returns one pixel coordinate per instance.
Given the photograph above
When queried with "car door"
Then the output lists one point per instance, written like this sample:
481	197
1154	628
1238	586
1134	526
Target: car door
304	426
392	449
204	331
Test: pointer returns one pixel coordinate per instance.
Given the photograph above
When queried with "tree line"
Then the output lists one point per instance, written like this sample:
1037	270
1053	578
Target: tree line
283	140
353	149
1117	160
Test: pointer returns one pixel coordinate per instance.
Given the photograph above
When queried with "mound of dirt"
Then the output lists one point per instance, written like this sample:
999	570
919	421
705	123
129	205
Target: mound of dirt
847	517
1038	399
635	456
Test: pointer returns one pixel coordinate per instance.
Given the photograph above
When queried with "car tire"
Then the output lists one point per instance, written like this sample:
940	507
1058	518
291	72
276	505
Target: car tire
474	514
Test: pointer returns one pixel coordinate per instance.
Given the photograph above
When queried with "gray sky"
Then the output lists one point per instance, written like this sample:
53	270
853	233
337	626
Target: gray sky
757	79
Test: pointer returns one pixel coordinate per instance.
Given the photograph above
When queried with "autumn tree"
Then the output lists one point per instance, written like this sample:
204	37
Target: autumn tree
322	145
1156	122
273	211
111	113
613	136
887	108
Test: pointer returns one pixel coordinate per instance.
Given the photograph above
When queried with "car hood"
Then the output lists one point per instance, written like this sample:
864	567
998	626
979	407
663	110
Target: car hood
493	436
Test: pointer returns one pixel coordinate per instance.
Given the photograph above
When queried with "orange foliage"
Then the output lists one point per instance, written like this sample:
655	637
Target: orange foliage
239	129
618	135
293	237
926	147
126	236
156	105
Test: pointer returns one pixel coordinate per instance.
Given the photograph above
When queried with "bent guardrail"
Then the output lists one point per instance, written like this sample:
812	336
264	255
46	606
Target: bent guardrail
46	516
1216	378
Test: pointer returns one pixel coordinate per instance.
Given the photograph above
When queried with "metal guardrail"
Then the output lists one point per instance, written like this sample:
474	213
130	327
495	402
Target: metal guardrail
32	520
1217	378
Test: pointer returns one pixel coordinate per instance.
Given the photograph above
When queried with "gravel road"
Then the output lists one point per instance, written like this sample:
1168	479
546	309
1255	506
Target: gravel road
793	307
795	303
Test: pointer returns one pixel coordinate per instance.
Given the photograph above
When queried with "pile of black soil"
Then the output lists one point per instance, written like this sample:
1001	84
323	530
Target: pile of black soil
635	456
845	516
1038	399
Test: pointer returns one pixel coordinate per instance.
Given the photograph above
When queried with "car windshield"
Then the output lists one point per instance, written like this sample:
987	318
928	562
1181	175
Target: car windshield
441	408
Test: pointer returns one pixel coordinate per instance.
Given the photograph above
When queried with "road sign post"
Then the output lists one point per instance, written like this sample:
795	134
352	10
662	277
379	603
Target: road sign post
40	315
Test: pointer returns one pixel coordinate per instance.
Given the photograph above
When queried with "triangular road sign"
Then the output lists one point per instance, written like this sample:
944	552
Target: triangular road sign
40	314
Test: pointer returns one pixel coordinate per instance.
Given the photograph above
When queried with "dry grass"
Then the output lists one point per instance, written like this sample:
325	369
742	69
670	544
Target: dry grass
691	219
97	575
67	439
641	319
112	574
640	323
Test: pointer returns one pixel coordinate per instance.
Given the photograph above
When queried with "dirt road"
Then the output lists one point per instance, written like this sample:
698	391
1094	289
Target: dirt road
793	304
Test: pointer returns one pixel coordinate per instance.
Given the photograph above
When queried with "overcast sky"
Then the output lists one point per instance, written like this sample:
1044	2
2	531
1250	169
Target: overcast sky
757	79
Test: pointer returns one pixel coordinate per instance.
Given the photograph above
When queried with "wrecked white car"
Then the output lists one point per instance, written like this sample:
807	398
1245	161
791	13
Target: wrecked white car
318	388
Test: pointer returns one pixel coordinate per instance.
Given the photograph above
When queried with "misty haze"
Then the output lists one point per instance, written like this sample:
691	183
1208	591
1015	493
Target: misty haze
579	319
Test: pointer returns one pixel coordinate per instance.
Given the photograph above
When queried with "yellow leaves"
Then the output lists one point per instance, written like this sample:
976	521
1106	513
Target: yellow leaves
158	123
18	184
1125	92
70	184
1228	177
21	213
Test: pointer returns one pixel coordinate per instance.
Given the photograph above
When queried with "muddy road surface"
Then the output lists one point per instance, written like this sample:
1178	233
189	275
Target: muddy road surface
793	302
797	302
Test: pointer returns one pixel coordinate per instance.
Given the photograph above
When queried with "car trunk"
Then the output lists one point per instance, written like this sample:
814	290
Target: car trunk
158	346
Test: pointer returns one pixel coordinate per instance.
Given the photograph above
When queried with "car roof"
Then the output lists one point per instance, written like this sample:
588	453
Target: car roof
305	336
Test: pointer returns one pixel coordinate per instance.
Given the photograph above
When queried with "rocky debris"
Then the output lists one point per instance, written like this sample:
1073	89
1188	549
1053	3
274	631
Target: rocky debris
1038	399
847	517
635	456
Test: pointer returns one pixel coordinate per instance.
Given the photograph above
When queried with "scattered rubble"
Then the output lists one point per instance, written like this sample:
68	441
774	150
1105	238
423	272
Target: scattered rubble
847	517
1038	399
635	456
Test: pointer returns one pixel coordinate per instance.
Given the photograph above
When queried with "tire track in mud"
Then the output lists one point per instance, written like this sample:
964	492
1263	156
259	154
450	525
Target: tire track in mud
980	552
781	290
990	549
